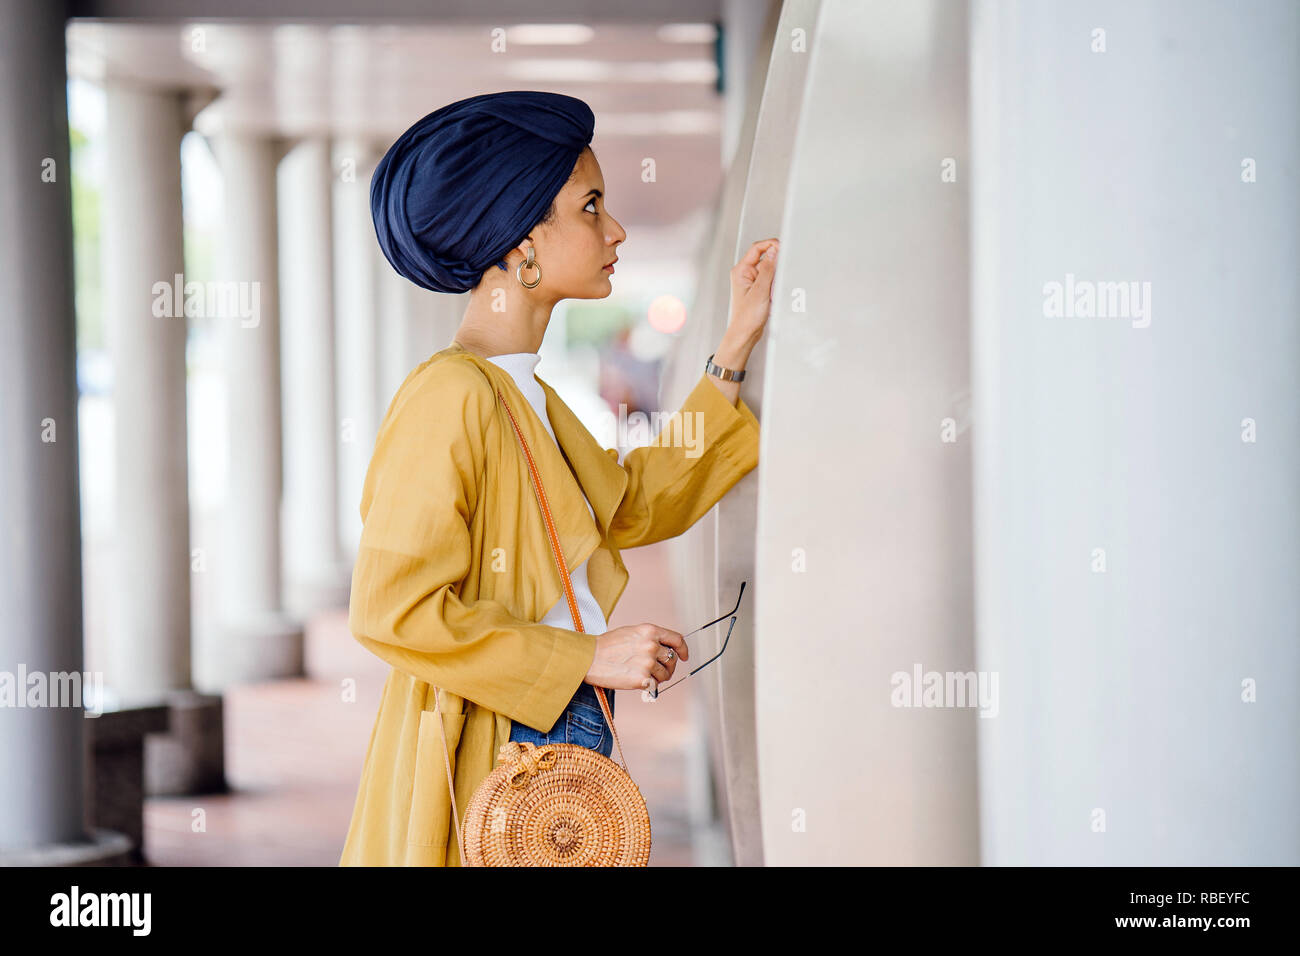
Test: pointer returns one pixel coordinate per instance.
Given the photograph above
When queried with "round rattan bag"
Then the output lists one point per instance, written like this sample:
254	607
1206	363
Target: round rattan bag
552	805
556	805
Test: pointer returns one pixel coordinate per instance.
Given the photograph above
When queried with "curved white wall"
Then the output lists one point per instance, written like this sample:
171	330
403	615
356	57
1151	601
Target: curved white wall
864	551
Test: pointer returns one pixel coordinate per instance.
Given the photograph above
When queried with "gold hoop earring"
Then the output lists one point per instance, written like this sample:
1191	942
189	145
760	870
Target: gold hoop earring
529	263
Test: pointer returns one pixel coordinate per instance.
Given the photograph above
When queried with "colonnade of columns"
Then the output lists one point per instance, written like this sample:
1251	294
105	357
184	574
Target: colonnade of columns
305	393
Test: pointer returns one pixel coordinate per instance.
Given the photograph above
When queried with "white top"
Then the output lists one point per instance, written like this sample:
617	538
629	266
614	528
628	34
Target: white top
522	366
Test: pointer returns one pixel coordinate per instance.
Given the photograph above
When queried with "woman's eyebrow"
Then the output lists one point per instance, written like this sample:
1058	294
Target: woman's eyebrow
594	192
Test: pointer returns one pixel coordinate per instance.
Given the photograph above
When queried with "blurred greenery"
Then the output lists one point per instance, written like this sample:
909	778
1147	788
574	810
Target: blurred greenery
200	249
200	243
85	240
594	324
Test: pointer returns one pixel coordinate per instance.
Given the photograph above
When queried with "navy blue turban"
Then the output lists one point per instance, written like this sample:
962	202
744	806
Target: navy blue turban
465	184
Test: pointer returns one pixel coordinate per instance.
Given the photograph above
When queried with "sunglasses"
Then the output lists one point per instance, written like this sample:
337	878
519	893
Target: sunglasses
654	694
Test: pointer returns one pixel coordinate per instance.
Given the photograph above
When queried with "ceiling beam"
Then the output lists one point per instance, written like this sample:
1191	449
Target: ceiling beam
442	11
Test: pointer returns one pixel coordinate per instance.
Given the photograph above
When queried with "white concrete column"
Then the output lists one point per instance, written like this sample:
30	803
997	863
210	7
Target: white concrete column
259	642
434	318
746	37
42	748
864	512
732	819
143	253
392	328
356	334
1136	230
316	574
777	96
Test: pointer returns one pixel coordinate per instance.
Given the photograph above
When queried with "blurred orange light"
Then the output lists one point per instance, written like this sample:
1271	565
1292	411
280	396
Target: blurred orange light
667	314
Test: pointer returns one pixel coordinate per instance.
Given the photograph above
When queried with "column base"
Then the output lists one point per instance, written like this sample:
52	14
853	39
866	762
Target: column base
249	650
322	591
190	757
101	848
114	782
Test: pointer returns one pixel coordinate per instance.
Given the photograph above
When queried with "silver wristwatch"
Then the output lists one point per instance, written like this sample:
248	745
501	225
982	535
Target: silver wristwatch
726	374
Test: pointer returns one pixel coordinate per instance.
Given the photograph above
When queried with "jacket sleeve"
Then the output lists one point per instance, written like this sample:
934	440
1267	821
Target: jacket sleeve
420	494
704	449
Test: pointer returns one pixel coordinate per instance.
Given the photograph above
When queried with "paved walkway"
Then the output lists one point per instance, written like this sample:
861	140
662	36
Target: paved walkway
294	751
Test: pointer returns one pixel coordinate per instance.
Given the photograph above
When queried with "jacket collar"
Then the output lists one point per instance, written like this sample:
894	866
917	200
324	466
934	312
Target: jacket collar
597	471
602	478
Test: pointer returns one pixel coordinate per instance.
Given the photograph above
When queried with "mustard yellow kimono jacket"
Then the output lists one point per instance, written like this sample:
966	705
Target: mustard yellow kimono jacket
454	569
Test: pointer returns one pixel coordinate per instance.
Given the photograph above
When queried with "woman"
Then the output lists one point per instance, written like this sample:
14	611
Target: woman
455	583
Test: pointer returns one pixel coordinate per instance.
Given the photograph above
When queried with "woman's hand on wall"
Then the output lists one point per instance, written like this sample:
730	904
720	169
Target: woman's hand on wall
751	304
629	658
751	292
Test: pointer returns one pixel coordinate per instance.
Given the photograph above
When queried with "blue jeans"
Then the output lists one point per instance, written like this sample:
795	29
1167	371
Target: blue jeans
582	722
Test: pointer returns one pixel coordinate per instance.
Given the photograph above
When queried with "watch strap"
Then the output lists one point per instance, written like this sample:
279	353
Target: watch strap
726	374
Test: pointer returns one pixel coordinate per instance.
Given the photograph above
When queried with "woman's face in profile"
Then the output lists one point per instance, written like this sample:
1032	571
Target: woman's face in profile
577	245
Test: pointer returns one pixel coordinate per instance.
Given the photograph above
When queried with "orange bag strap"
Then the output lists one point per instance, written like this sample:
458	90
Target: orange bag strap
558	553
559	560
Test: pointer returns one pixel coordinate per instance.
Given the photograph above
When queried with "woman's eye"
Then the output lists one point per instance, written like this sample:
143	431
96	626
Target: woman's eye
590	202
